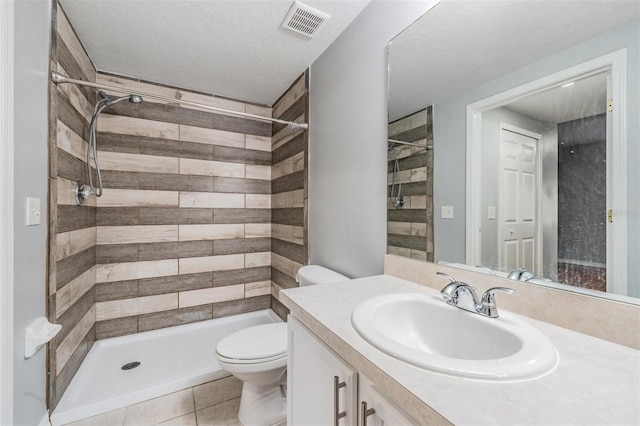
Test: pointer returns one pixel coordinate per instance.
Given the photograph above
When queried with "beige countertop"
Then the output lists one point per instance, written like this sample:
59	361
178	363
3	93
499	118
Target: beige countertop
595	382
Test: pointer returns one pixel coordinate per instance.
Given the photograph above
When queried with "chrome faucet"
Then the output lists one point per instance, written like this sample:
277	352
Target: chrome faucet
520	274
463	296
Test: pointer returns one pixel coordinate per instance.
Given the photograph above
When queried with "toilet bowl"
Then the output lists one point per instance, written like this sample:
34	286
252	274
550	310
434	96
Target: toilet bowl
258	356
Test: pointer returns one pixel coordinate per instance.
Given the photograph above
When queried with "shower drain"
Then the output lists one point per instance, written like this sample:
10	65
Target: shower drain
130	365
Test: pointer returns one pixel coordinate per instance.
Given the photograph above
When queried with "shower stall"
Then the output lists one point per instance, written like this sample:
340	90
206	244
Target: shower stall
181	228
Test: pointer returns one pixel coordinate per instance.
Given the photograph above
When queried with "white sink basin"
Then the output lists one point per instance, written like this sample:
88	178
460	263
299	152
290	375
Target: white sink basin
425	331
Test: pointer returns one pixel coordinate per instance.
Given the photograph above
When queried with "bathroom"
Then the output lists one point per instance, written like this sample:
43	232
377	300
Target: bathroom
347	112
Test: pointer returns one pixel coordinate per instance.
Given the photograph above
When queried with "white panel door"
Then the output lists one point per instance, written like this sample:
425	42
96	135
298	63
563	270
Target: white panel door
311	369
518	212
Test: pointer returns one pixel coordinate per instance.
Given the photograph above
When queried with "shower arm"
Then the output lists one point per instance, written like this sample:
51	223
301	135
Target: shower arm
58	78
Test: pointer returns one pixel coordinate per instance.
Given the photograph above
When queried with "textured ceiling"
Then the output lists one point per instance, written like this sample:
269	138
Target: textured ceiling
586	97
232	48
460	44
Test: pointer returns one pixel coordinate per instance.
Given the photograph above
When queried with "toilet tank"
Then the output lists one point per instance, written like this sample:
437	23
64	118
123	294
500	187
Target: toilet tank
315	274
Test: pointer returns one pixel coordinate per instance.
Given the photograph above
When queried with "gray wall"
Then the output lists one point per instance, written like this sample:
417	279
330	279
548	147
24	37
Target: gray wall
347	141
32	29
450	116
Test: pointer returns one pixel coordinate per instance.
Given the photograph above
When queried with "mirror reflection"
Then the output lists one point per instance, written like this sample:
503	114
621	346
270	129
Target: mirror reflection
516	161
410	183
543	176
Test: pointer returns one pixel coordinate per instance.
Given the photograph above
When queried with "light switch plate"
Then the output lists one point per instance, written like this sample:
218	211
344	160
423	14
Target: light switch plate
33	211
491	212
446	212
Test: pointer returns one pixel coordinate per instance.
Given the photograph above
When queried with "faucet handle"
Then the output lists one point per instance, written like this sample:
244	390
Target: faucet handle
449	291
449	277
452	292
520	274
489	300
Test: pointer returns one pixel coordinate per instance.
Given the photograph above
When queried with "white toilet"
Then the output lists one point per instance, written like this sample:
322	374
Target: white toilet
258	356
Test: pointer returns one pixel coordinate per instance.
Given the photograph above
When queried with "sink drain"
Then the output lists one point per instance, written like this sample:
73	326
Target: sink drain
130	365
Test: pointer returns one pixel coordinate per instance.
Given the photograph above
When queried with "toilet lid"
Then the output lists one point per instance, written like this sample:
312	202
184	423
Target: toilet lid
258	342
315	274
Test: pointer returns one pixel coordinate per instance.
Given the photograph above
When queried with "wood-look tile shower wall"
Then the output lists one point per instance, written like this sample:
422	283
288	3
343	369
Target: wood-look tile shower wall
410	229
289	187
184	224
72	229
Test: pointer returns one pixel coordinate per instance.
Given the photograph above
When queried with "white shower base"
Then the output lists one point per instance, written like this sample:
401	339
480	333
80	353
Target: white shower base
170	359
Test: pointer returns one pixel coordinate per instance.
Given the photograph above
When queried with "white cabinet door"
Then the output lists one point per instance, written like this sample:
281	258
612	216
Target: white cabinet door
311	391
381	410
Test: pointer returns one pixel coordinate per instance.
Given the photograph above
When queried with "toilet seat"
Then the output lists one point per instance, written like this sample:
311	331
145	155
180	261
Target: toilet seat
263	362
258	344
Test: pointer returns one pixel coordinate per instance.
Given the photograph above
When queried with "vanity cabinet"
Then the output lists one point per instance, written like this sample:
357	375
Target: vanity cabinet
322	389
377	408
312	387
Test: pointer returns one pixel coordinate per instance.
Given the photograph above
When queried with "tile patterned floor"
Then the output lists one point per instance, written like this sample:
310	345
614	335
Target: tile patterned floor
211	404
223	414
589	277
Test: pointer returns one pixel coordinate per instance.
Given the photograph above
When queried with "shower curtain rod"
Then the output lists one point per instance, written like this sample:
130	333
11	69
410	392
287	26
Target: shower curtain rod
428	147
60	78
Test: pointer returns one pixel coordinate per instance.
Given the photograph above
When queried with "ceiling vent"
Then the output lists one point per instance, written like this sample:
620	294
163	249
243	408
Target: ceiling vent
304	19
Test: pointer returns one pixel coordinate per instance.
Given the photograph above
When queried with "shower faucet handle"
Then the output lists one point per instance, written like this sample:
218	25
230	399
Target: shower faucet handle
83	193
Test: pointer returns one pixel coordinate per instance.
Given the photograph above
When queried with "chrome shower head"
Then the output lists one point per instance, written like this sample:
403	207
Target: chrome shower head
107	101
134	99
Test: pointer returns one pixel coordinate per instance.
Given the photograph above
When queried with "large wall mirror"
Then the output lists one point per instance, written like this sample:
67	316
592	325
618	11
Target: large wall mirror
514	142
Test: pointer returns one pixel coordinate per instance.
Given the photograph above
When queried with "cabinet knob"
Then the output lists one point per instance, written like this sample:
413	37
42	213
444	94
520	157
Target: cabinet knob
366	413
337	414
